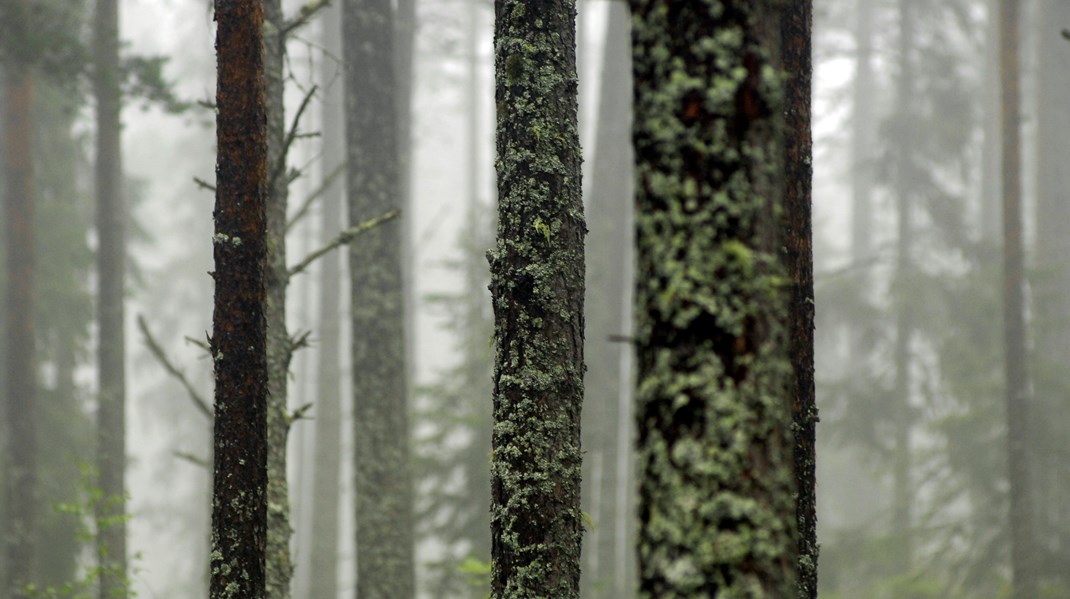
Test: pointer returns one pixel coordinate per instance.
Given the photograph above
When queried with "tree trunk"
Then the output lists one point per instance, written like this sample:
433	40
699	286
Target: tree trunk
111	262
238	347
20	474
279	348
1023	557
328	409
383	480
609	255
863	136
537	272
716	494
797	27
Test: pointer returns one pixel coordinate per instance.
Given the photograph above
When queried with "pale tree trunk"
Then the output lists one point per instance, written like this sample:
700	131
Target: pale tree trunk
383	478
111	261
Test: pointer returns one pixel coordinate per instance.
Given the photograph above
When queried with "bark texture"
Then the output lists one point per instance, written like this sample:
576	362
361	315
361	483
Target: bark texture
796	31
239	506
111	276
537	285
716	494
20	414
384	494
1018	387
279	346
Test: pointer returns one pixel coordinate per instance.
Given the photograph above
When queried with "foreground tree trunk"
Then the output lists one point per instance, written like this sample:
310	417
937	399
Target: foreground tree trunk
537	272
239	500
1018	386
111	262
384	504
716	500
796	31
20	413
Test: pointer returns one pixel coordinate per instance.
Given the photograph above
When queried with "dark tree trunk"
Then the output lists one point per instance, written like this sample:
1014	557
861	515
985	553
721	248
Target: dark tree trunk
328	408
1018	387
239	502
279	348
796	29
537	273
111	261
20	416
716	494
384	505
608	569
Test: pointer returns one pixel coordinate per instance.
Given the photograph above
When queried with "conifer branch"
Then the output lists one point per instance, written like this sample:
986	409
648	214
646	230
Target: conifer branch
344	238
161	357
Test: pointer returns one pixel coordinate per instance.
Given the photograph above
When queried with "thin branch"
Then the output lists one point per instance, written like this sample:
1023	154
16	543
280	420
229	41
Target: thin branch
315	195
304	16
1066	33
299	341
201	344
195	460
204	184
298	414
343	238
171	369
280	167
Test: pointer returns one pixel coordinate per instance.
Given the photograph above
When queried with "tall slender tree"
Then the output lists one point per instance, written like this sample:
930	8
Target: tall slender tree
238	343
537	270
383	480
1018	387
716	494
111	262
796	31
20	410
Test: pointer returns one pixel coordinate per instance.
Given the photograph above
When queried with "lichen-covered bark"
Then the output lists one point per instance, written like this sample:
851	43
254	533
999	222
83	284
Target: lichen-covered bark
796	27
239	501
716	503
384	504
20	413
111	260
279	348
608	487
537	278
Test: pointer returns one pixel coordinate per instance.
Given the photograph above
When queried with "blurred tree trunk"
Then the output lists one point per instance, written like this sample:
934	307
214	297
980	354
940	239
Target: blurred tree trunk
716	500
990	149
1051	293
863	135
111	267
609	572
797	28
1023	558
279	345
903	489
20	414
238	344
383	479
328	409
537	288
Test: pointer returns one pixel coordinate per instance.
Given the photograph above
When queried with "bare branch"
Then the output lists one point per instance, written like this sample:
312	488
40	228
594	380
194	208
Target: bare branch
195	460
157	352
201	344
204	184
343	238
315	195
298	414
280	167
304	15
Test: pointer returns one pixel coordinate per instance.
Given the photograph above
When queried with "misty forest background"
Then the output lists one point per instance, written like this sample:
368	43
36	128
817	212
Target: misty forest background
912	487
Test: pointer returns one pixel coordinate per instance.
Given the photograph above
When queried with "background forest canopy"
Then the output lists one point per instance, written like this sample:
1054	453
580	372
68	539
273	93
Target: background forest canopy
910	172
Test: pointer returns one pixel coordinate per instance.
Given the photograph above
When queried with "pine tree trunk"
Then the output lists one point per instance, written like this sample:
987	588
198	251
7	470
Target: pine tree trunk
796	29
279	349
20	415
383	480
111	261
609	255
716	500
239	500
328	408
863	135
537	287
1018	387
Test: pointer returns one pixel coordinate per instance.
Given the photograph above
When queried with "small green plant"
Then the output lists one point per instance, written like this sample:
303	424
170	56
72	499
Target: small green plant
90	528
